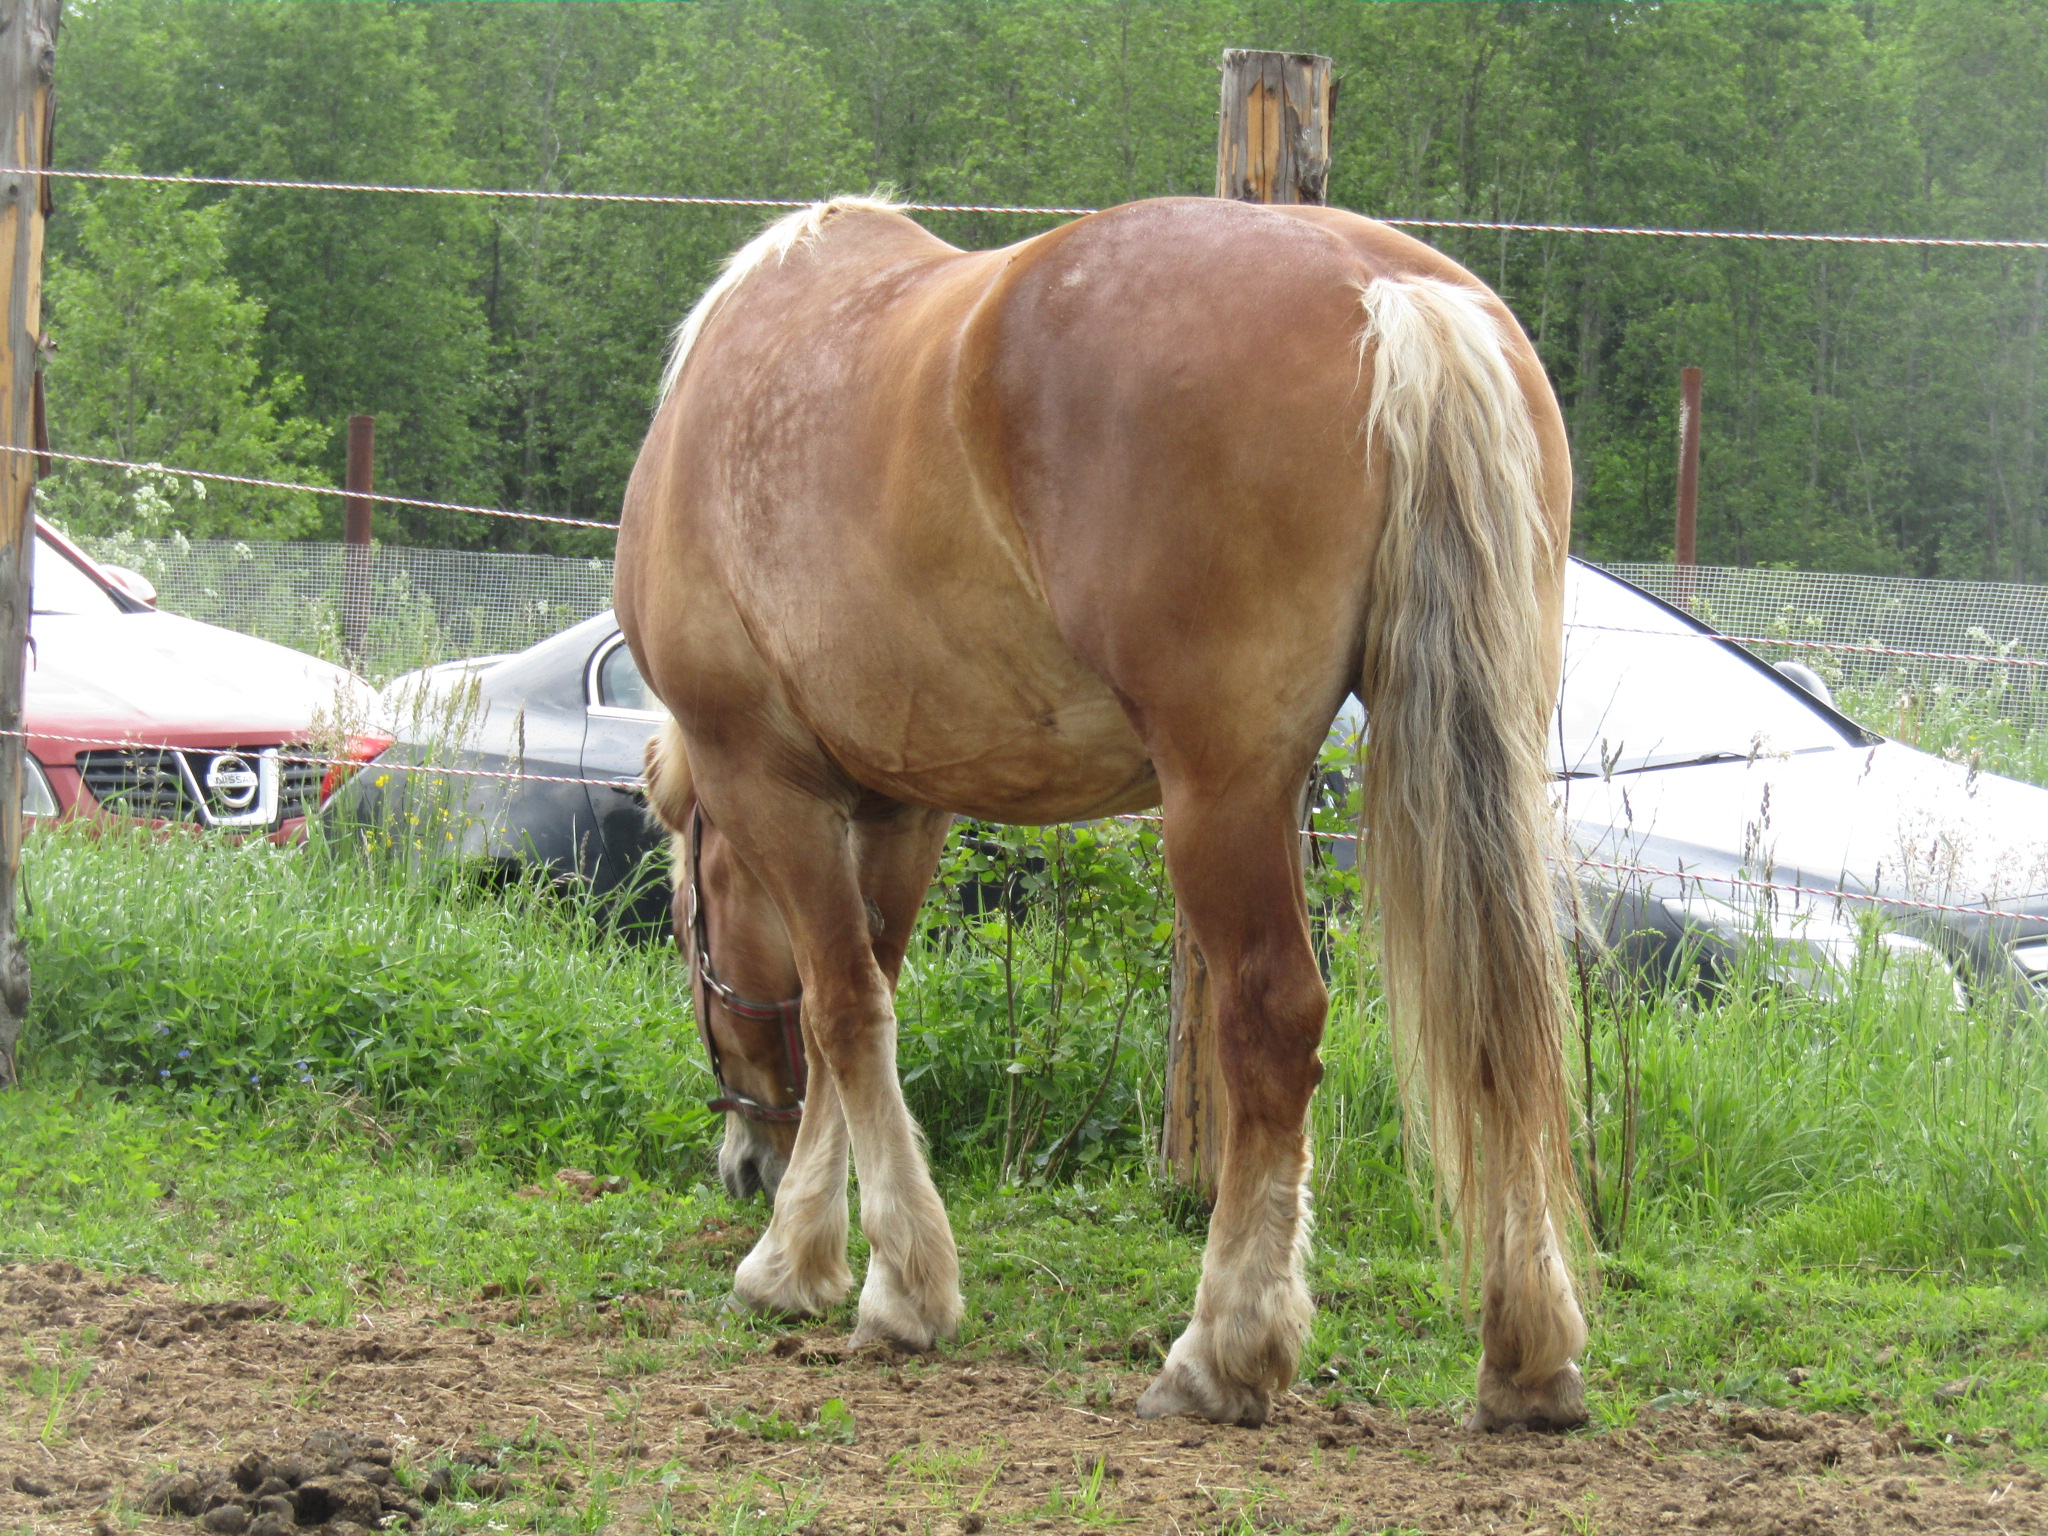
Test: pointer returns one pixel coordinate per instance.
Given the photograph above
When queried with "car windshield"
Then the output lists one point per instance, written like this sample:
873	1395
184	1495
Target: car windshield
60	586
1642	690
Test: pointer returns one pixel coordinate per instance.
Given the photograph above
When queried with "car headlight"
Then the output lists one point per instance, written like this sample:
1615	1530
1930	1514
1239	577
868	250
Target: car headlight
37	798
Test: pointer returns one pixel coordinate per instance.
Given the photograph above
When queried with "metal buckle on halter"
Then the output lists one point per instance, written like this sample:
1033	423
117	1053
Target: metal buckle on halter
788	1013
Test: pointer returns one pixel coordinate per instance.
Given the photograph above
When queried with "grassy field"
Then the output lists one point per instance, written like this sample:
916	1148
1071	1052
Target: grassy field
288	1072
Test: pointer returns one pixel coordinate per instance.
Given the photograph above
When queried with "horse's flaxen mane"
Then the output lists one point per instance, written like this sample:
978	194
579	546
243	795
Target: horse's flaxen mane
777	240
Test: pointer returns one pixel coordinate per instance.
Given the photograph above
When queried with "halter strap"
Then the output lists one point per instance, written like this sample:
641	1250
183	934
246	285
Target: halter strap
788	1013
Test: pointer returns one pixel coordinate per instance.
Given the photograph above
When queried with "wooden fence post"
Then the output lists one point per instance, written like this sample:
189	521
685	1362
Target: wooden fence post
355	538
1273	135
28	60
1272	146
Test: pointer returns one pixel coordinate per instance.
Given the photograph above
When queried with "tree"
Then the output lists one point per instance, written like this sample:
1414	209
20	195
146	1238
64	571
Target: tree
371	300
1866	408
729	104
156	361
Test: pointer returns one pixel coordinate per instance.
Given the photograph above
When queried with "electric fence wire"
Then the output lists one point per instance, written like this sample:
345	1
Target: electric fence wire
1508	226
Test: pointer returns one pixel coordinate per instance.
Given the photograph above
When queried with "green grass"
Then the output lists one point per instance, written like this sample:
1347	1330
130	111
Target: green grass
1079	1279
1966	723
504	1021
300	1073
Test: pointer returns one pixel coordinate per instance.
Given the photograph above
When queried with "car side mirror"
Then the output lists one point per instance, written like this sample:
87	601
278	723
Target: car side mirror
1800	673
134	583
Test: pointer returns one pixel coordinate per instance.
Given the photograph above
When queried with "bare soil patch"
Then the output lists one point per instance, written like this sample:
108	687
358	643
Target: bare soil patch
110	1384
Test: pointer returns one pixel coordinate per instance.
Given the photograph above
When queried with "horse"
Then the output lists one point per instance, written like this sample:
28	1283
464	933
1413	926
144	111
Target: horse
1108	520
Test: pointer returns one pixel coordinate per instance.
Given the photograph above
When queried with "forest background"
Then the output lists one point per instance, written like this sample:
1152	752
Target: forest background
1874	409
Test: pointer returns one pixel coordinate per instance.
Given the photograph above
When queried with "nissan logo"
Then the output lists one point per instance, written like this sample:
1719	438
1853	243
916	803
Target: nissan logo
231	780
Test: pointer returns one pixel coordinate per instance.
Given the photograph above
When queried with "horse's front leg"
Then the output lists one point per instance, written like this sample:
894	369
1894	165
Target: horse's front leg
798	1268
848	893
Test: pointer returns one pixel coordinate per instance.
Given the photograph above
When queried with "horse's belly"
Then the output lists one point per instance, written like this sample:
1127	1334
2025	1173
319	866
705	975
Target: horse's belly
998	742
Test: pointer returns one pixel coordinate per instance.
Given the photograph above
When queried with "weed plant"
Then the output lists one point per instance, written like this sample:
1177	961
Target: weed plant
1961	723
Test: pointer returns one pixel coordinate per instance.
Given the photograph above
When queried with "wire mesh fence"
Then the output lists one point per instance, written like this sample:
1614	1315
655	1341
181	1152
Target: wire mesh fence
418	606
421	606
1831	615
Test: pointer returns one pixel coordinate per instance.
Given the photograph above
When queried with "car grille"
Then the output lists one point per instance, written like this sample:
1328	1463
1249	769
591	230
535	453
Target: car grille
212	786
134	782
298	789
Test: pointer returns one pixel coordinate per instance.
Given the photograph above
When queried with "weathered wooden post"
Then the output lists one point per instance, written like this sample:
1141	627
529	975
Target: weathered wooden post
355	538
1272	146
1273	136
28	60
1685	546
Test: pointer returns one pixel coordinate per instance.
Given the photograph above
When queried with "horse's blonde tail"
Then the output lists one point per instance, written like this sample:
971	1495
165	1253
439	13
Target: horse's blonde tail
671	790
1458	692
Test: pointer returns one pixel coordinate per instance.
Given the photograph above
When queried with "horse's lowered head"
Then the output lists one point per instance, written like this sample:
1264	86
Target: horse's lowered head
744	985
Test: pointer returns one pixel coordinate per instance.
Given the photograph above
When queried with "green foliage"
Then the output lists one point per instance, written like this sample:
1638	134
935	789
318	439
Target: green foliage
422	1045
728	104
1878	1124
500	1022
155	358
1866	408
833	1421
1032	1008
372	301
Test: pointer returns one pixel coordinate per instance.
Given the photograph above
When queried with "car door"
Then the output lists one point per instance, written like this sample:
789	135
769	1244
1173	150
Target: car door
619	717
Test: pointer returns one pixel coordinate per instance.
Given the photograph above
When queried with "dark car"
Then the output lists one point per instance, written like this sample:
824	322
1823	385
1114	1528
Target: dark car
524	762
1710	800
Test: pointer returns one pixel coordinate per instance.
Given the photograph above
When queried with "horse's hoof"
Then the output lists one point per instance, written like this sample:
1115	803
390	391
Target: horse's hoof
766	1283
889	1317
1186	1387
1556	1404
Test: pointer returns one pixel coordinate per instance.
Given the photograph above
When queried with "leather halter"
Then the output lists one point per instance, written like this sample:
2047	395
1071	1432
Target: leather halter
789	1013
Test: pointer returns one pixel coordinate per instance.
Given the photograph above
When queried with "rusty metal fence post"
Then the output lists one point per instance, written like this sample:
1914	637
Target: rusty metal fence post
1685	546
355	536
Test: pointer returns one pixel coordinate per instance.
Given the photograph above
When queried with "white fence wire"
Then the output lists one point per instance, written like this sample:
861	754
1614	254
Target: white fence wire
421	606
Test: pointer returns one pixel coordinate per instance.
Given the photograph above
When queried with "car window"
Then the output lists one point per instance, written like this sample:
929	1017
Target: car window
619	684
61	587
1642	689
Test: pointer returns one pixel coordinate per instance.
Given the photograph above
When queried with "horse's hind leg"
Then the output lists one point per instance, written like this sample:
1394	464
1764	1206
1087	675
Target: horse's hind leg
811	856
1236	873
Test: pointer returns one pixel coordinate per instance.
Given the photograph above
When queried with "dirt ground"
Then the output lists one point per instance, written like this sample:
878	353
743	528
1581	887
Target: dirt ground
110	1383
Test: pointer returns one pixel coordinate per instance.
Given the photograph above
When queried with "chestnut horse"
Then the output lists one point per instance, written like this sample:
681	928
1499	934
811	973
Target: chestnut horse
1106	520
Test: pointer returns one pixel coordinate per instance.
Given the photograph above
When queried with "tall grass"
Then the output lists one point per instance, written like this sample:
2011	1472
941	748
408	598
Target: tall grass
1965	723
1884	1126
507	1021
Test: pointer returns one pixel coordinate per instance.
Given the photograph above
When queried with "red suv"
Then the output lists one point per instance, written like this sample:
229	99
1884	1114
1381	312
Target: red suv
147	716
